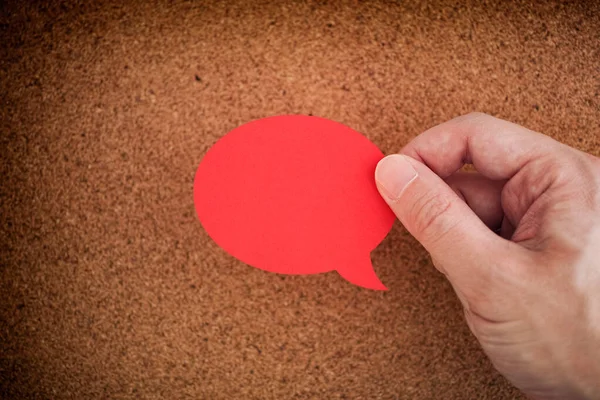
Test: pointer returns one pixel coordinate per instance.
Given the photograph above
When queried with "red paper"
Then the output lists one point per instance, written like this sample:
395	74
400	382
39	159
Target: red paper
295	195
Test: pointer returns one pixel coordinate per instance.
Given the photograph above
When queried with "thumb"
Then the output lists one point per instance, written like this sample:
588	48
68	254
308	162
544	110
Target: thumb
433	213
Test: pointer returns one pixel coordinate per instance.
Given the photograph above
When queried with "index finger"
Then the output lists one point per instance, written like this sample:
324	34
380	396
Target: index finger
498	149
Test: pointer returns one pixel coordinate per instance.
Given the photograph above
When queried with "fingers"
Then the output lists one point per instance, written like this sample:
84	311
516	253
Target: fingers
537	168
497	148
443	223
482	195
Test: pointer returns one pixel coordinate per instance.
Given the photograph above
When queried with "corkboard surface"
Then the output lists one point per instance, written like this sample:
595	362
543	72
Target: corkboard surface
111	289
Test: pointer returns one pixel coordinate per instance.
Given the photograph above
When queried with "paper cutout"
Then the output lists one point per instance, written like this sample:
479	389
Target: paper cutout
295	195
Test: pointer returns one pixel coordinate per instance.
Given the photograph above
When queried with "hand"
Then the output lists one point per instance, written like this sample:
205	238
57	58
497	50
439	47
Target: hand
519	241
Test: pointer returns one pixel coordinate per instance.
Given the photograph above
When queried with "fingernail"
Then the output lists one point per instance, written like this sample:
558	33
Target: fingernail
393	174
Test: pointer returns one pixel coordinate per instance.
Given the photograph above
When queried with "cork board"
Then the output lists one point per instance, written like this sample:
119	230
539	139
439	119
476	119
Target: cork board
111	289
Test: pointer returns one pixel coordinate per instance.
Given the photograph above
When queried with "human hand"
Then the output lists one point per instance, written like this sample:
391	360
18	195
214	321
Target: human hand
519	241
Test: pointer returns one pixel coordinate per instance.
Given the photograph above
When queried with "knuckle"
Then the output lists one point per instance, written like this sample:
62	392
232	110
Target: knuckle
429	216
584	179
477	116
595	166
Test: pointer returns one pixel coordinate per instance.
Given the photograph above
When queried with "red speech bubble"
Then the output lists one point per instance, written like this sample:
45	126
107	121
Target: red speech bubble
295	195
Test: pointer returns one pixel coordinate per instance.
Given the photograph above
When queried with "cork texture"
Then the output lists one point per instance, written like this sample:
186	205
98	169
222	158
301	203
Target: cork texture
109	286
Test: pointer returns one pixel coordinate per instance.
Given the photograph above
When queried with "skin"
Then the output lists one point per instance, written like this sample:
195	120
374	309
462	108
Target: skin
519	240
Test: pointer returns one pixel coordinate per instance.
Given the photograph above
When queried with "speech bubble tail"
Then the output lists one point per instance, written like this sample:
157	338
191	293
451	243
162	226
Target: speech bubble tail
361	273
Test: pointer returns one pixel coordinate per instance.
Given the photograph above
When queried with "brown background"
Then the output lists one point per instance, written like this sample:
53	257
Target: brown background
110	288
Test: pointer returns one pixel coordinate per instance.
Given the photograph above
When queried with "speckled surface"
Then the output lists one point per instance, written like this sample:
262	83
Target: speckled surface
111	289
